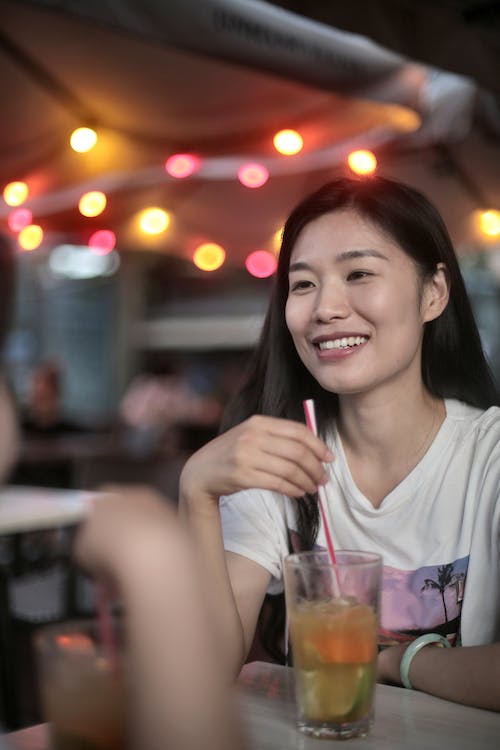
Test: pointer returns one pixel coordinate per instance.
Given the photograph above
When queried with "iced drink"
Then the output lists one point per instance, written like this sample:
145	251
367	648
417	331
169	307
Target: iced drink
333	633
81	689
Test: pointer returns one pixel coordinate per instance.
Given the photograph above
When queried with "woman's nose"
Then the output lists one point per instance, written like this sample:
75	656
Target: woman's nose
331	303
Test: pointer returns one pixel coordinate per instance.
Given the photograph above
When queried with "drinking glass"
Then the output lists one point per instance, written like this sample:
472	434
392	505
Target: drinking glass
333	615
82	688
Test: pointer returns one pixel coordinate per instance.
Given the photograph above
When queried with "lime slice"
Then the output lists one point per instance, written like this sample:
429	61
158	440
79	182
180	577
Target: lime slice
333	693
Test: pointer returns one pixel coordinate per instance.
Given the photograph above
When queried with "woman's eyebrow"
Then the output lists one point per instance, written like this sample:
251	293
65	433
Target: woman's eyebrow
301	265
368	253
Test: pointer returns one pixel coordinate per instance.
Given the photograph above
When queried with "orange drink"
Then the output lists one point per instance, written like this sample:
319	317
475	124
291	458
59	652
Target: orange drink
82	691
334	641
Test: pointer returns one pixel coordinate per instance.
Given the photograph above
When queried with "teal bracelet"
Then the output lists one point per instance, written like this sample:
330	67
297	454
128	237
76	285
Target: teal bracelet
414	648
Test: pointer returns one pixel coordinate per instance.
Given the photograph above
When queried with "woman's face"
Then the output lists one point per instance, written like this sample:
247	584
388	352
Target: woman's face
356	306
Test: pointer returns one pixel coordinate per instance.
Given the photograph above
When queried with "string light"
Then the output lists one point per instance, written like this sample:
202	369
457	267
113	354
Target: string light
276	241
102	242
253	175
261	264
19	218
489	222
362	162
92	203
30	237
15	193
288	142
83	140
181	165
154	221
209	256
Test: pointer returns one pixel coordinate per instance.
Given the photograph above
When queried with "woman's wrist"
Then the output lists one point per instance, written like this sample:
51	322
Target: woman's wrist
389	664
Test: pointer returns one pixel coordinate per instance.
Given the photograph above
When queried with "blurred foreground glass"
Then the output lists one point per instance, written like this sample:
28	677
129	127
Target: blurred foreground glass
81	688
333	614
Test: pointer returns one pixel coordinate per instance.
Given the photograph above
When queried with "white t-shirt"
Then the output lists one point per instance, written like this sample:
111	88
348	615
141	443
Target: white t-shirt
438	531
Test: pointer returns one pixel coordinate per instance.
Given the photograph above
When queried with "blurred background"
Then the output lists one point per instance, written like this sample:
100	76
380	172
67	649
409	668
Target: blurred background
146	254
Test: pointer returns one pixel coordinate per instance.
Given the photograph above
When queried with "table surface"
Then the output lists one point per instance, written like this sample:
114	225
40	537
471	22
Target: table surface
37	508
404	719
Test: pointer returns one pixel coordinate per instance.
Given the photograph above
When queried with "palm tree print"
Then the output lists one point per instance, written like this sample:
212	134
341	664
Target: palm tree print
446	579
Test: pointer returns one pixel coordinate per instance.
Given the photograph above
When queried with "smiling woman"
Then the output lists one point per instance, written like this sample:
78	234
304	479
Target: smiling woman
370	317
357	305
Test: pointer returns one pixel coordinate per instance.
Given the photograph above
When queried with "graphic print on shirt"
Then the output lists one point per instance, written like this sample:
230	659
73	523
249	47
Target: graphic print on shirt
414	602
427	600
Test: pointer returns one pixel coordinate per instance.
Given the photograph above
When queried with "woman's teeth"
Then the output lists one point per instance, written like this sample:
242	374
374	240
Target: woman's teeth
342	343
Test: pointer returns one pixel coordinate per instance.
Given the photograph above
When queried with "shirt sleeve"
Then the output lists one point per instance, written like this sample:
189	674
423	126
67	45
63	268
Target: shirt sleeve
254	525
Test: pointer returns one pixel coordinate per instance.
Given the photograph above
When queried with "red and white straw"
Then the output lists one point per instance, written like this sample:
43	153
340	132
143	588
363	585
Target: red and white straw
310	414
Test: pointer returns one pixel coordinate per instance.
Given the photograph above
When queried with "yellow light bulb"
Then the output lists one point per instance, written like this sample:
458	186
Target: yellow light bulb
83	140
154	221
30	237
362	162
209	256
288	142
489	221
92	204
15	193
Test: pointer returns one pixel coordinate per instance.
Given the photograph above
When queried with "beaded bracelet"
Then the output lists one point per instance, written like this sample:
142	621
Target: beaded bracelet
413	649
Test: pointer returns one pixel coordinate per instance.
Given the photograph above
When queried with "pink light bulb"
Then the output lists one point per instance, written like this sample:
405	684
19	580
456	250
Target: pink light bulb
261	264
253	175
102	242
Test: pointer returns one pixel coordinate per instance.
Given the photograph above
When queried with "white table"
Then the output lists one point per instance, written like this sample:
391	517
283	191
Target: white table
405	719
37	508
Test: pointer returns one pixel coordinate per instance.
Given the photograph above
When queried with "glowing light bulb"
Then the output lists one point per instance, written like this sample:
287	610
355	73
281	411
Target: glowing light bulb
362	162
30	237
19	218
253	175
181	165
209	256
288	142
83	140
102	242
15	193
154	220
489	222
92	203
276	241
261	264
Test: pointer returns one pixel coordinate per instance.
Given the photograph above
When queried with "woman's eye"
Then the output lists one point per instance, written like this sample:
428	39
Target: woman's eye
300	286
357	275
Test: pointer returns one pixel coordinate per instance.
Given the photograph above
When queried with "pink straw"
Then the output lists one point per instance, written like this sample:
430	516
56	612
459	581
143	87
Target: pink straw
311	423
105	625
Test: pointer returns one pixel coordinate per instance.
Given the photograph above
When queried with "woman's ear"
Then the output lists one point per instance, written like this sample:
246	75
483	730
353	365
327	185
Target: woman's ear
436	293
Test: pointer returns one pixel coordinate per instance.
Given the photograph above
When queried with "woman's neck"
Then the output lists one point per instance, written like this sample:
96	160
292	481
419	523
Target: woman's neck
385	438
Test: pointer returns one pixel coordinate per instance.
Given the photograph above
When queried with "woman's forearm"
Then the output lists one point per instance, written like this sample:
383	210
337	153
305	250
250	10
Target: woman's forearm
468	675
178	691
206	533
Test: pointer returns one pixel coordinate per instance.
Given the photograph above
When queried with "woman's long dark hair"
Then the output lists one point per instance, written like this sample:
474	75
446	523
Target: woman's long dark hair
453	361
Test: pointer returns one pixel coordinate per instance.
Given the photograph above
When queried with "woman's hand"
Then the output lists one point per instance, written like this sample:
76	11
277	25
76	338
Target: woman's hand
124	529
264	452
